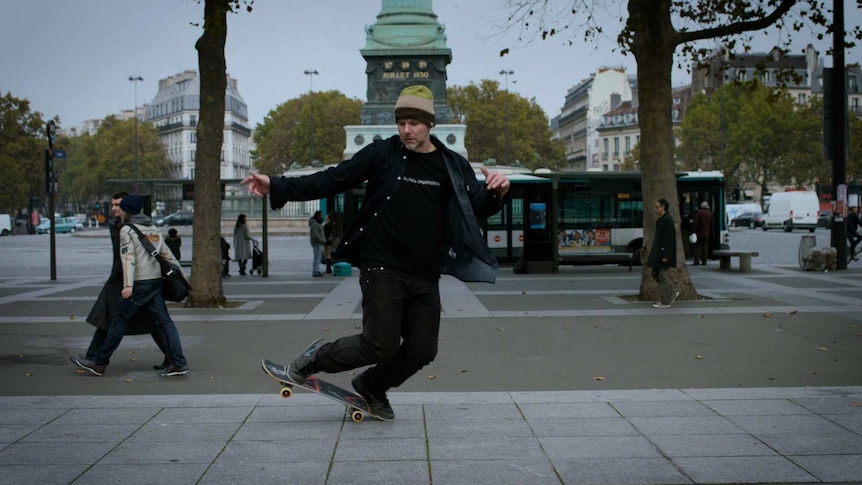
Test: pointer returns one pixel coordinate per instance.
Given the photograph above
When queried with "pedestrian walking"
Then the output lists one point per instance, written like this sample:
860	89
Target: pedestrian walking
662	255
174	241
241	244
142	288
703	229
327	246
318	239
417	221
105	307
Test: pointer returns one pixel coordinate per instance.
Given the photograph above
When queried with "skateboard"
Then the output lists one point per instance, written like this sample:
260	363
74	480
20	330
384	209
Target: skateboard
358	407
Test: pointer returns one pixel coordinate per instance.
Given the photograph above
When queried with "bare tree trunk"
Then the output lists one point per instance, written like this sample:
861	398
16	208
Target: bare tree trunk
207	289
653	45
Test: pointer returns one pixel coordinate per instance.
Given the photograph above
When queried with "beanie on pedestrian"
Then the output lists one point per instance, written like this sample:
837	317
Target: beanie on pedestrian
416	102
704	205
132	204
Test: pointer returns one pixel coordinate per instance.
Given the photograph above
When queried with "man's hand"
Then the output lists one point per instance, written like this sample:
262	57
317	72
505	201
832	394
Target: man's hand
496	181
127	292
257	184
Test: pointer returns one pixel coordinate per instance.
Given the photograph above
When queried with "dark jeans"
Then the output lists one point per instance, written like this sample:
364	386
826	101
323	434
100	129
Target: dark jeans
400	327
146	293
100	335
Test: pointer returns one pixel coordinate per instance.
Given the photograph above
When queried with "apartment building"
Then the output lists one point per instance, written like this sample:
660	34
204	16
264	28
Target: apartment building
583	111
175	110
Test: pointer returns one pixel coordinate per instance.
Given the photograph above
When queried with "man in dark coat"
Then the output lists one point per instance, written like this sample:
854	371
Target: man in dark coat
106	304
703	228
662	256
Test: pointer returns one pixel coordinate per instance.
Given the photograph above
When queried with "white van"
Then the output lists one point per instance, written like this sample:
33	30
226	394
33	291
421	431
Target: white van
5	224
792	210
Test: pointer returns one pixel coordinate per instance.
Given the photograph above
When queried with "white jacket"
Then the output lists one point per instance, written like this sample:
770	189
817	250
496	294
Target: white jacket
138	264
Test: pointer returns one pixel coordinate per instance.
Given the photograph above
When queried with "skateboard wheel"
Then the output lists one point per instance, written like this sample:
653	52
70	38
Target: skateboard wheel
286	392
357	416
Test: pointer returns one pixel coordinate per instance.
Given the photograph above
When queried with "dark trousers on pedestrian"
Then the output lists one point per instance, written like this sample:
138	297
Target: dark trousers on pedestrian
100	335
145	293
400	328
701	250
666	288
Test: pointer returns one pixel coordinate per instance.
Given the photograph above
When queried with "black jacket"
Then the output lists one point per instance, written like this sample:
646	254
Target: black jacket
663	244
382	165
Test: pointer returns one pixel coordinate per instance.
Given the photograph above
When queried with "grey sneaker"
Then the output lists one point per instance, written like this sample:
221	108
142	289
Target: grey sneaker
173	370
303	366
377	402
675	296
88	365
659	304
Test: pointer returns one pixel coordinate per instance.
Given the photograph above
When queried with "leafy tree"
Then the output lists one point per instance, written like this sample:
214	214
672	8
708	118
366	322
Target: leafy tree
768	136
284	137
483	109
699	134
653	31
22	154
91	161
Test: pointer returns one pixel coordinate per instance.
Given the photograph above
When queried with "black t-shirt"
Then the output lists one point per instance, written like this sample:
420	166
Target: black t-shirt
409	232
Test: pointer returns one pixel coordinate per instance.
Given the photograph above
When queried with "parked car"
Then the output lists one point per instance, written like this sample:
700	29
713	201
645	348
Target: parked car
64	224
747	219
825	219
180	218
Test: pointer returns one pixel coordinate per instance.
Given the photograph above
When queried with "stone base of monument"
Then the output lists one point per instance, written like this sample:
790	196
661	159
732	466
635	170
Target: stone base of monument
358	136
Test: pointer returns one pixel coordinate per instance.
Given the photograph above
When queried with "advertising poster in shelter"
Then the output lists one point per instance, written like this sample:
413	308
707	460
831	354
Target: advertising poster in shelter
572	241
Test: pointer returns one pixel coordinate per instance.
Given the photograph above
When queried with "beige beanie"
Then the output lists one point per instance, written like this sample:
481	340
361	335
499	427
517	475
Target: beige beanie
416	102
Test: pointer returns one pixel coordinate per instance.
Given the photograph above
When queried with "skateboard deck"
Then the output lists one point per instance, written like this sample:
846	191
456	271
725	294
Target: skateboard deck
358	407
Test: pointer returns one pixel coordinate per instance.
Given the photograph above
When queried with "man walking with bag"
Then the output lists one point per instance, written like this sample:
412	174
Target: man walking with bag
142	287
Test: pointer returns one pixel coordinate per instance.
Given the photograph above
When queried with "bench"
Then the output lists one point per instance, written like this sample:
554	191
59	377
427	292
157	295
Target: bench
744	259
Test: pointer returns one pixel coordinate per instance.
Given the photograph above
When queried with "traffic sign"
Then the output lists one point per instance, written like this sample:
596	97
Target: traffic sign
60	154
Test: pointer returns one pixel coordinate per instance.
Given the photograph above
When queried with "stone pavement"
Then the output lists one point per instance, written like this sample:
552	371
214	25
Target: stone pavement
556	379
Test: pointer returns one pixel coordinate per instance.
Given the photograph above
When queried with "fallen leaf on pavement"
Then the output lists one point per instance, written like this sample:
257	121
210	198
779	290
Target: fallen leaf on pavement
599	378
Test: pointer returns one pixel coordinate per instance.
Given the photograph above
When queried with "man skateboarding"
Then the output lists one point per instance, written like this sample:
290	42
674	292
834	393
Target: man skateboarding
418	221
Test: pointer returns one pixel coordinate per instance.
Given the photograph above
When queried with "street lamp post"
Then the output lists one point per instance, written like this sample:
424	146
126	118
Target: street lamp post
135	80
311	73
507	73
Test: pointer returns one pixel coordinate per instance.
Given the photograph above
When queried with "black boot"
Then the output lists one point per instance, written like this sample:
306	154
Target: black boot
329	266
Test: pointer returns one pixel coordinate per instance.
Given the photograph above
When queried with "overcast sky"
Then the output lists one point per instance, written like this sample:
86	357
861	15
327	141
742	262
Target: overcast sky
73	58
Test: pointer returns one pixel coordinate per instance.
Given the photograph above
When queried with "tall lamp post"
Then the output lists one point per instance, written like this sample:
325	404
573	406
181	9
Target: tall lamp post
135	80
507	73
311	73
